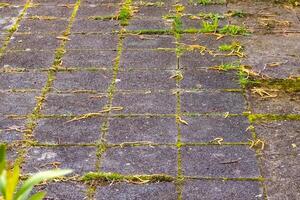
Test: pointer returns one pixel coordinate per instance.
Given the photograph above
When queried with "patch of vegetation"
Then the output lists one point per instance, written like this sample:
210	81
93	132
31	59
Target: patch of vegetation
211	16
236	13
233	30
271	117
151	32
210	26
233	49
288	85
208	2
108	177
234	46
103	18
125	13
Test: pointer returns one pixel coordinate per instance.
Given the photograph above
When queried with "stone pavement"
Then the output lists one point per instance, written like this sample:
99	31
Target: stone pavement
156	99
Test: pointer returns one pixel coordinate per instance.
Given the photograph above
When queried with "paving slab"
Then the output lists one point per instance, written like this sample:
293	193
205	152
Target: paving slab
75	81
208	128
195	60
42	26
17	103
262	51
166	191
148	42
50	11
97	10
213	101
141	103
10	11
148	59
93	41
65	131
146	80
64	190
141	129
73	104
95	26
201	189
34	42
80	159
282	103
55	2
89	58
149	24
27	59
23	80
209	79
11	130
140	160
222	161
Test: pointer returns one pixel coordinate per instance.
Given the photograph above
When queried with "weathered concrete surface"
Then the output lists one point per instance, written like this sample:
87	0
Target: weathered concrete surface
125	88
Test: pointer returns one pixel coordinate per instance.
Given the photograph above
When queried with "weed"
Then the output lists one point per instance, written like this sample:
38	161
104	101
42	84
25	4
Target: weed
226	67
210	26
234	48
236	13
204	2
208	2
233	30
125	13
211	16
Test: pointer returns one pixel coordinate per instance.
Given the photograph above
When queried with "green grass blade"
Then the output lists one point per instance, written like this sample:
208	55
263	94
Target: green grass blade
3	183
39	177
2	158
12	182
38	196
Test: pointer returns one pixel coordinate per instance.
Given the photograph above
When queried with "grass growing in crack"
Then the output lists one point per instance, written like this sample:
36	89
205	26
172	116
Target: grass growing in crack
233	30
125	13
210	26
236	13
233	48
109	177
103	18
208	2
204	2
272	117
211	16
226	67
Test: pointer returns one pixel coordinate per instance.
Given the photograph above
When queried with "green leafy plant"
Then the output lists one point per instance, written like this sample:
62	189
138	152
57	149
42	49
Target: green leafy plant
233	30
204	2
11	189
210	27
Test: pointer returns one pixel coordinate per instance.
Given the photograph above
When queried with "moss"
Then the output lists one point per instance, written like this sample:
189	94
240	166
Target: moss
103	18
288	85
271	117
115	177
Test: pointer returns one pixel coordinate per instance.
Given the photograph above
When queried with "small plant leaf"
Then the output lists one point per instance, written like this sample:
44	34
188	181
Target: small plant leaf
36	179
12	182
3	183
38	196
2	158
